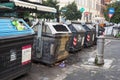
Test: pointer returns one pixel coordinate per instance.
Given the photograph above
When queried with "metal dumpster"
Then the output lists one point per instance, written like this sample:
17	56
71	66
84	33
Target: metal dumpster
15	49
89	39
55	37
115	31
77	39
93	31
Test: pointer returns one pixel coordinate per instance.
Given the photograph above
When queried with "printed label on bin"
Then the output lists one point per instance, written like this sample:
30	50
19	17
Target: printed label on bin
26	54
83	41
13	55
79	38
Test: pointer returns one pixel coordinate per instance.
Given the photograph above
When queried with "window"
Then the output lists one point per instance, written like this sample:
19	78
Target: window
83	2
92	4
86	2
80	2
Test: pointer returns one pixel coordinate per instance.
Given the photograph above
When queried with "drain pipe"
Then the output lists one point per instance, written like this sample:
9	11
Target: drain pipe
99	60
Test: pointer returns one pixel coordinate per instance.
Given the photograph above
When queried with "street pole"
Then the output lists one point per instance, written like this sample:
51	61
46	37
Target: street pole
99	59
109	20
88	16
88	13
97	30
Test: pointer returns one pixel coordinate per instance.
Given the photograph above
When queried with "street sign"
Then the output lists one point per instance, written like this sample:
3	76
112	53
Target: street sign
82	9
86	13
110	15
111	10
63	10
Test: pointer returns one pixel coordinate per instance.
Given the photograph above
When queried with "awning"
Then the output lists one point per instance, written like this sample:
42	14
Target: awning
4	8
33	6
24	4
46	9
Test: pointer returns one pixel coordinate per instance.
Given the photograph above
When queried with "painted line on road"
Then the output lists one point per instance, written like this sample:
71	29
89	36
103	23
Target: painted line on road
107	42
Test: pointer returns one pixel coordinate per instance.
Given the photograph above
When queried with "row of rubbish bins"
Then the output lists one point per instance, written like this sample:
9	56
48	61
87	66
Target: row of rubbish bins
60	39
48	43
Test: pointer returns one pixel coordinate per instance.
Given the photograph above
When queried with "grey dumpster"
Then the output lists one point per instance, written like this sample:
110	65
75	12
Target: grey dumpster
93	31
55	37
89	40
77	39
115	31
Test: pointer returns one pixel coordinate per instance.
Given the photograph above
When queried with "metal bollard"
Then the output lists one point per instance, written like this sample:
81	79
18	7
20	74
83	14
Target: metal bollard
99	60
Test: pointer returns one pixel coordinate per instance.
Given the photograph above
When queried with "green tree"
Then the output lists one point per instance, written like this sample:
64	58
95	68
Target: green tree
70	12
51	3
116	17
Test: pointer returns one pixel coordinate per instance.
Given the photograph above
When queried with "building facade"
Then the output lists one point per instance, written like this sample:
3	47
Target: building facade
92	7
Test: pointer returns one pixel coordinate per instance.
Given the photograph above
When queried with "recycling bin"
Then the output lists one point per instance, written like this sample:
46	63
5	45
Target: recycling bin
76	42
93	31
55	37
16	47
115	31
89	39
101	30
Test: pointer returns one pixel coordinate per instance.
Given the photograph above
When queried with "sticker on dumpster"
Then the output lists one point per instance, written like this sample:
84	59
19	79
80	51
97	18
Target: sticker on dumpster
79	38
82	41
26	54
13	55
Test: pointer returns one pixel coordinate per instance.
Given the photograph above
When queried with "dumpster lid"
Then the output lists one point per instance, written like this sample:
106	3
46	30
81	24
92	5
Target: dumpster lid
90	26
9	28
86	27
58	27
78	27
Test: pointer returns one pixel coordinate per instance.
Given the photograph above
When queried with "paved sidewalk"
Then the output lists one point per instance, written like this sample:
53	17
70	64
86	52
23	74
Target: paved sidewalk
109	71
79	66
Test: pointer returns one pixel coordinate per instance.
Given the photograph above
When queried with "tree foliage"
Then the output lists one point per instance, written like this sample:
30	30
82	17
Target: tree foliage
50	3
116	17
70	12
